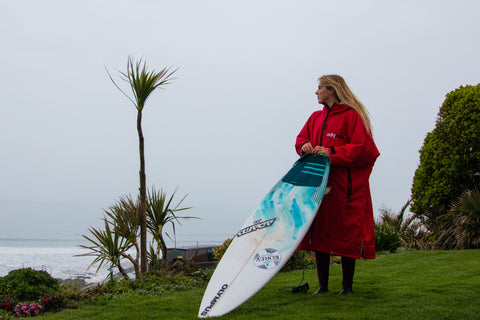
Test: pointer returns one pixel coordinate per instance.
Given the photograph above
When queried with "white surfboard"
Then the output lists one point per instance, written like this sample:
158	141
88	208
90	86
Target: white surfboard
268	238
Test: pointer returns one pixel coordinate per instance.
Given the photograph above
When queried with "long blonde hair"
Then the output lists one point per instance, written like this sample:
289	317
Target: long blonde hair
345	95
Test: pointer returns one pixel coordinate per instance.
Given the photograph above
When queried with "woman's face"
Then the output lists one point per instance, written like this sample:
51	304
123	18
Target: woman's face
324	95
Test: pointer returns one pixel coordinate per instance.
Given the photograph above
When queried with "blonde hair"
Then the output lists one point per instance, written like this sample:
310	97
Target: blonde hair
345	95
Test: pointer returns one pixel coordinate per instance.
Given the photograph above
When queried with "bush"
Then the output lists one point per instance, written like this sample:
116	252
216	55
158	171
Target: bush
52	303
6	303
386	238
4	315
27	309
72	292
449	157
219	251
300	260
395	230
462	229
28	284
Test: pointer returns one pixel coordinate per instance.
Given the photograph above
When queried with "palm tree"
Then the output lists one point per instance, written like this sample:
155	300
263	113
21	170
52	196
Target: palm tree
106	246
161	212
125	216
394	230
462	227
142	83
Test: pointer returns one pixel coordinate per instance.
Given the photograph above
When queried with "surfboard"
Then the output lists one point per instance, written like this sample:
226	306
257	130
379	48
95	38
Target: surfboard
266	241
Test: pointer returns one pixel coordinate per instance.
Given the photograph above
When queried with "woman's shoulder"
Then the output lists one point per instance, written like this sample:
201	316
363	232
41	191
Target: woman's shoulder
346	110
318	113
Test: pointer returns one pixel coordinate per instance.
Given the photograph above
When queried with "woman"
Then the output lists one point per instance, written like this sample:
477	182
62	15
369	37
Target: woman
344	223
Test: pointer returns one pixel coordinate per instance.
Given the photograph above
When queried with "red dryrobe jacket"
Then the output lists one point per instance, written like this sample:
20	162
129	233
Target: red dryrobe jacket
344	223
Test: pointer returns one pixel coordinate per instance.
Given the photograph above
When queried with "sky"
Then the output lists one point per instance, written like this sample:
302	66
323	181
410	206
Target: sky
224	130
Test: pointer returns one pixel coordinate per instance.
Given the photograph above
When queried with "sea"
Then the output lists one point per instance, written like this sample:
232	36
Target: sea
48	236
62	258
57	257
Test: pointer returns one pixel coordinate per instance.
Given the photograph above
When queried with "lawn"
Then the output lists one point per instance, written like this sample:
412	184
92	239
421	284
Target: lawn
407	285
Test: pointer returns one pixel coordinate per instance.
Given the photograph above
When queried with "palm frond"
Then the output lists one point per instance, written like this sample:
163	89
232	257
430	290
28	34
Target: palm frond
125	214
462	227
118	87
160	213
143	82
107	246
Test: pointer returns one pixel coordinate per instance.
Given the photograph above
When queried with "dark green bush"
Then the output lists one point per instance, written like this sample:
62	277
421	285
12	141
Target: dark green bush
462	230
74	292
7	303
52	303
449	157
386	238
28	284
300	260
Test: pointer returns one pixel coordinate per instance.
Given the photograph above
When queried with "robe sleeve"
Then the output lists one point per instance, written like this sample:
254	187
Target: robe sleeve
360	149
304	136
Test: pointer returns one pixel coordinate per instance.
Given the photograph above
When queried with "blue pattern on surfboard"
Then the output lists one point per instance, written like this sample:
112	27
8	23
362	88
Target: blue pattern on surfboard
295	202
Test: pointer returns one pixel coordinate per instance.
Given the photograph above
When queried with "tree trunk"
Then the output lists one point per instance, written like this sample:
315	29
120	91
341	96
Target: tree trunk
122	271
163	246
135	264
143	197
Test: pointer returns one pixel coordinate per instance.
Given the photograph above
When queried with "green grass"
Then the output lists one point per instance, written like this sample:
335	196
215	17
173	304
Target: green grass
407	285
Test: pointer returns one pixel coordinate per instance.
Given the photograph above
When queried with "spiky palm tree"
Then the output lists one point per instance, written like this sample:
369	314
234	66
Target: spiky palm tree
394	230
125	216
462	227
142	84
106	246
161	212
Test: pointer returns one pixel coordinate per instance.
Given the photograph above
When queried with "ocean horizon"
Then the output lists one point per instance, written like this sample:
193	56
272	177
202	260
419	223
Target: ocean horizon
47	235
59	257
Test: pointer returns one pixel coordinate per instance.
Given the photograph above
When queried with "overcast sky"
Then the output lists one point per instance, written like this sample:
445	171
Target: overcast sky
224	130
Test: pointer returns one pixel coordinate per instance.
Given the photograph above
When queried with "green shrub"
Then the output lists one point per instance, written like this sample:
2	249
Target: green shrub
395	230
6	302
4	315
153	284
28	284
462	230
449	157
220	250
386	238
73	291
203	275
52	303
300	260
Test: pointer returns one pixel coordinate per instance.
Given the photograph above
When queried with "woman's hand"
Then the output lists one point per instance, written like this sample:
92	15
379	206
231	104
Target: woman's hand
318	150
307	148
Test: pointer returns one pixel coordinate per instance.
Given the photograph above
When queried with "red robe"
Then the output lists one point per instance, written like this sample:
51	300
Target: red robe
344	223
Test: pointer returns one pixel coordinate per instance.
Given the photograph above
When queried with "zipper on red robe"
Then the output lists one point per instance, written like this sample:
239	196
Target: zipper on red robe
321	140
